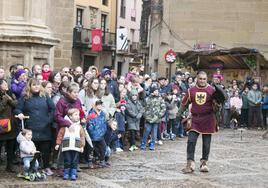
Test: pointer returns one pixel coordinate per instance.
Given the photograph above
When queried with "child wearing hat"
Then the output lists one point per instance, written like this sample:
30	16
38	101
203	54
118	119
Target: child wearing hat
155	109
134	112
97	127
18	83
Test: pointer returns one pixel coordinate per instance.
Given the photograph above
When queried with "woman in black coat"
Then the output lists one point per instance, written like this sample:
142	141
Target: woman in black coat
7	104
40	108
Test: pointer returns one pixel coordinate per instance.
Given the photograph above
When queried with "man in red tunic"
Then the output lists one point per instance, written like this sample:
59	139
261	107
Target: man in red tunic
203	120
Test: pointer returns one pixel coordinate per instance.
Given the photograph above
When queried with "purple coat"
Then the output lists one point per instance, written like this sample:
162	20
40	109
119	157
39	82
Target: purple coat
17	88
62	107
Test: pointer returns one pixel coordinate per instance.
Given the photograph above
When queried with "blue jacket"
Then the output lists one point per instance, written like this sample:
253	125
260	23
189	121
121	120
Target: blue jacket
120	118
110	136
265	102
96	125
41	111
113	88
165	89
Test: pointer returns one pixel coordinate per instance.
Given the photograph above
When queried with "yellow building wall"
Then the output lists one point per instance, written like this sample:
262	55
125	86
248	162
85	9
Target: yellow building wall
110	10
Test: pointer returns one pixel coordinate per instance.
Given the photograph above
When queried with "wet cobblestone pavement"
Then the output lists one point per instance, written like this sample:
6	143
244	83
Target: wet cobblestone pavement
233	163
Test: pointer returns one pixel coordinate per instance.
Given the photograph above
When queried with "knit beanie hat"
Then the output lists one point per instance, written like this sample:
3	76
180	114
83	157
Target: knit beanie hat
19	73
153	88
105	71
122	105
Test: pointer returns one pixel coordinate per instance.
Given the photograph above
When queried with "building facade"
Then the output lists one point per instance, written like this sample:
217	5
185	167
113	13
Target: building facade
180	25
90	15
129	17
36	32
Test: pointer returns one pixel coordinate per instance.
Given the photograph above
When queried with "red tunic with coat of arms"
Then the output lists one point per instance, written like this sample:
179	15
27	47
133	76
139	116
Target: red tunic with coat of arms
203	117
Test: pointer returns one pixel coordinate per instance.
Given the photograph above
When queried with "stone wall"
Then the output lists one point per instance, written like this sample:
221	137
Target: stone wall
61	21
36	32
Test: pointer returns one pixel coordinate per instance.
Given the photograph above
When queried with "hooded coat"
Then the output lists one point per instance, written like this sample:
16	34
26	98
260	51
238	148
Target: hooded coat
26	146
134	112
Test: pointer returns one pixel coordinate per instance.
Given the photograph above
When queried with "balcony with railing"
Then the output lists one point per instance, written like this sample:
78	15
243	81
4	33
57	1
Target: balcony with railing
82	39
134	47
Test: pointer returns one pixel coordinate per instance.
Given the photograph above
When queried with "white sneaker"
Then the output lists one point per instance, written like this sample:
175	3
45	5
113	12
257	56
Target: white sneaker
160	142
118	150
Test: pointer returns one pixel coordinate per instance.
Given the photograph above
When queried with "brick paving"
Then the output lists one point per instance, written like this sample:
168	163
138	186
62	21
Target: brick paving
233	163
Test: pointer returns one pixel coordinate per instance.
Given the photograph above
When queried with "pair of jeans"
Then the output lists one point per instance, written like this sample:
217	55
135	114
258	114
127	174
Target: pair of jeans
150	127
226	117
26	164
99	149
108	153
181	131
192	139
71	159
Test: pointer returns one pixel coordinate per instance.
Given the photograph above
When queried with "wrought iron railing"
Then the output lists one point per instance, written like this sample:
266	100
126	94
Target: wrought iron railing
82	38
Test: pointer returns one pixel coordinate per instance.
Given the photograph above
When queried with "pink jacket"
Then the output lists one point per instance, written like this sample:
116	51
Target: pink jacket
237	103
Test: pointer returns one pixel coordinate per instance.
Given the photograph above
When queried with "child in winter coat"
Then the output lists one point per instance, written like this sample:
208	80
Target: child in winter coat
18	83
134	112
172	110
236	105
46	71
154	110
27	150
73	141
97	127
121	119
110	138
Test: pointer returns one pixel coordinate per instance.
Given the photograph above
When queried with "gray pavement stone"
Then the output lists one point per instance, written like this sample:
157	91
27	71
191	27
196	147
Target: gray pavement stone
232	163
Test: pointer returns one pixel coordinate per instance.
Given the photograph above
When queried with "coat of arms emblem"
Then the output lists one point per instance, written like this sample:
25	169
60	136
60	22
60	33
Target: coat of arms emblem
200	98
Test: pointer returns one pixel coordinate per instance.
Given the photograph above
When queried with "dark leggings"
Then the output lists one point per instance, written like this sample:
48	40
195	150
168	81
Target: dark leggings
10	149
99	149
192	139
44	147
171	126
264	115
132	138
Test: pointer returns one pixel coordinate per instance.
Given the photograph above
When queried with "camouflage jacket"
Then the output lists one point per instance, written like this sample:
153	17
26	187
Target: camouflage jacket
155	109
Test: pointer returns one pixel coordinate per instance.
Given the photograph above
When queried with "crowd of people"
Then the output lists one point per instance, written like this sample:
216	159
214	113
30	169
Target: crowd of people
71	117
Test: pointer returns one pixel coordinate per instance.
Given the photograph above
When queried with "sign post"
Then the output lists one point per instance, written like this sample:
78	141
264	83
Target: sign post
170	58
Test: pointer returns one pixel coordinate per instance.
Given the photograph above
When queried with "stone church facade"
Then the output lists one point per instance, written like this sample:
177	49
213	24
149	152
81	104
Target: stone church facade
36	32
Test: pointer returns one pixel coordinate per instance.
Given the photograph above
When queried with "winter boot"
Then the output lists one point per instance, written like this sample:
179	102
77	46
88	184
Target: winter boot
190	166
73	174
203	166
151	146
103	164
66	174
143	146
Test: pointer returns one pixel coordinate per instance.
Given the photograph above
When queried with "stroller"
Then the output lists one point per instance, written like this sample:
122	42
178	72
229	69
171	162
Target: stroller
34	175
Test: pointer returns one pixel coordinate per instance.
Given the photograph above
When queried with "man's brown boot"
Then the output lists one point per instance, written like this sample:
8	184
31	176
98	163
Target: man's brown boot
203	166
190	166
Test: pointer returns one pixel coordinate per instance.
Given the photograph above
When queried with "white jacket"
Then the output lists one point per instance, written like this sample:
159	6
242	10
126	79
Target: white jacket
26	146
